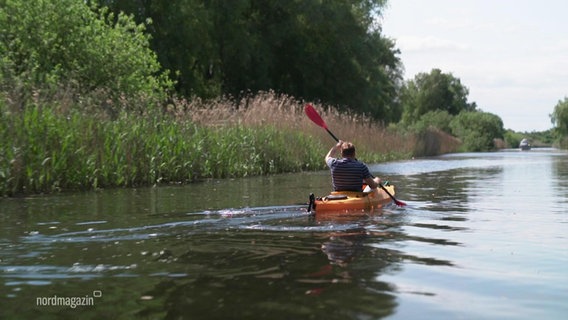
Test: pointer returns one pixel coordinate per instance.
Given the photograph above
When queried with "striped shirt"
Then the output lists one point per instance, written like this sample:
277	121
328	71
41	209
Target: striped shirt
347	174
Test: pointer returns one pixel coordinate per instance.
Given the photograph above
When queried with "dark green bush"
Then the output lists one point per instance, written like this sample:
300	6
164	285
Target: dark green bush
477	130
54	44
439	119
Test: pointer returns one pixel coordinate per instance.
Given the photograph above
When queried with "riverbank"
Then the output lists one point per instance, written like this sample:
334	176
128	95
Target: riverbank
45	149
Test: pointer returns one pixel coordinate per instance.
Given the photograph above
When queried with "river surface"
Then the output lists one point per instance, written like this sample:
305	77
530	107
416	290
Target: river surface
483	236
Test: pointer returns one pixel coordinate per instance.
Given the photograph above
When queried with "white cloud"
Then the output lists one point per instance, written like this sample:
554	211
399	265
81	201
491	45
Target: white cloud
430	43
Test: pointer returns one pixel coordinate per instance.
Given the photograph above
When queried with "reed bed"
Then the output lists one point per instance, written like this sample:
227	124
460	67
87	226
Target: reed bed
48	148
45	151
374	142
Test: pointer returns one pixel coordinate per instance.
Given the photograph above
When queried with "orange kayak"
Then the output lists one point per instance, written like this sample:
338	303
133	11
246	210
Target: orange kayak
349	201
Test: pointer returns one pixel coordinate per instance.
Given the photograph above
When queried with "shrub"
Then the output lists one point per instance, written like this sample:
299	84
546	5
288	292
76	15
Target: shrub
439	119
477	130
513	139
65	43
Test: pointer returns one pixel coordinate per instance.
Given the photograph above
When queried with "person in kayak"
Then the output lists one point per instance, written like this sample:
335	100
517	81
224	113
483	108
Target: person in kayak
348	173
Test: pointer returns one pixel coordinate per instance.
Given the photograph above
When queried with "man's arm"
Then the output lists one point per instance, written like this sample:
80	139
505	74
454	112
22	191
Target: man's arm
373	182
332	151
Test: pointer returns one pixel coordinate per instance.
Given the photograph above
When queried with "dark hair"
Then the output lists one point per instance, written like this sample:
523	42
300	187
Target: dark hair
347	149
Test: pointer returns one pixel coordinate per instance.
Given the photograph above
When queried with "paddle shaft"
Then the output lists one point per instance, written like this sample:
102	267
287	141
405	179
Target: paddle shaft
331	134
315	117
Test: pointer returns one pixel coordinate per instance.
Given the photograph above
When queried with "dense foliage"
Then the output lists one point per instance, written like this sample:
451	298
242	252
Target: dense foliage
559	118
431	92
329	51
477	130
47	45
439	119
438	100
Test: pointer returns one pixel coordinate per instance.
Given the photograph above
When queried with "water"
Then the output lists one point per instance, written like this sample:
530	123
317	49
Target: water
484	236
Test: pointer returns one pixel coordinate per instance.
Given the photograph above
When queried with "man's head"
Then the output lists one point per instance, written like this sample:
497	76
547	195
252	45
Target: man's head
347	150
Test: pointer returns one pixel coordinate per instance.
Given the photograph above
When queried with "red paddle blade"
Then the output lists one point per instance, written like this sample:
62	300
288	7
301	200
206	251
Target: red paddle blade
399	203
314	116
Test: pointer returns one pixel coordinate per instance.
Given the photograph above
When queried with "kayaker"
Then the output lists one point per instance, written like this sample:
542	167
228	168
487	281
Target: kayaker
348	173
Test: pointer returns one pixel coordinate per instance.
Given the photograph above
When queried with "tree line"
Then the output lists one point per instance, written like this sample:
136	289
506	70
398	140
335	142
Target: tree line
135	55
329	51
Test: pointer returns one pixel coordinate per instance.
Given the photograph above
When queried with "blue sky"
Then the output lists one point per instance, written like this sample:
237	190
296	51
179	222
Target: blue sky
511	55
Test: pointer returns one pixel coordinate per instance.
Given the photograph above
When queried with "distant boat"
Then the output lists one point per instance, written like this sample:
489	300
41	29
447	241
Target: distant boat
525	145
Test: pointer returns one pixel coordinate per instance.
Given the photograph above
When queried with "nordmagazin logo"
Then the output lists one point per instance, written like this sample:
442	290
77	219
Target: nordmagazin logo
72	302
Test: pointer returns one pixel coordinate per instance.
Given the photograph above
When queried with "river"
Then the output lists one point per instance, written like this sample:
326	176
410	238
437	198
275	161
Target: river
483	236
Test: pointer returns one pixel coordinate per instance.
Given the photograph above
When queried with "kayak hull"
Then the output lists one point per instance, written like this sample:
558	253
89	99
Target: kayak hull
348	201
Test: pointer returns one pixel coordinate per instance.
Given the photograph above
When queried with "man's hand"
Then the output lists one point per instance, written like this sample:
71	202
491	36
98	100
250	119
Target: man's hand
339	144
373	182
377	180
333	150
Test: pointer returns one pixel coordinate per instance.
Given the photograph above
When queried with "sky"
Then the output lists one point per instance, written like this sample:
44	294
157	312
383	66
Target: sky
512	55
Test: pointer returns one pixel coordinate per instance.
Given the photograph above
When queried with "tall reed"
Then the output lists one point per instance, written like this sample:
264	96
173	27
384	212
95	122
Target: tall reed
44	151
285	113
52	146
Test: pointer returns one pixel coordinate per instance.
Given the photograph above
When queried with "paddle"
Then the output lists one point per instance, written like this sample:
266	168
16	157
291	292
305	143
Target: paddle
316	118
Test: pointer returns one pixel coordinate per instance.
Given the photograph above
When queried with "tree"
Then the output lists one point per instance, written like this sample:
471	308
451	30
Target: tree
66	42
329	51
433	91
477	130
439	119
559	117
513	138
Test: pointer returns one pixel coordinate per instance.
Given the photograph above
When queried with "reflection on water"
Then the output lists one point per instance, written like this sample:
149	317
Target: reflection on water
483	236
